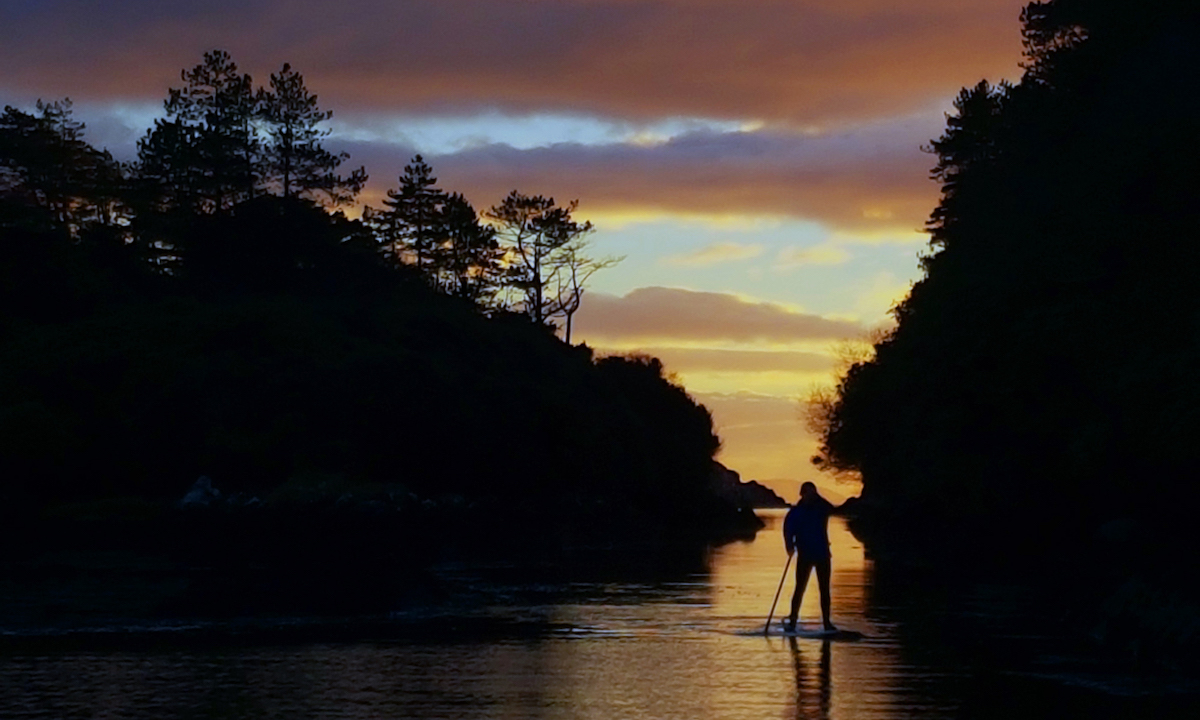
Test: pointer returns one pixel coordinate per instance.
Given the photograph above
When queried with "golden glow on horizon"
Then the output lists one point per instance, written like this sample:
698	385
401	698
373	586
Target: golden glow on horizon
771	382
657	346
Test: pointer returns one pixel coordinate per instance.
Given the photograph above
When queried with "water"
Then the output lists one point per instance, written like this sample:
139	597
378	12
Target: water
522	648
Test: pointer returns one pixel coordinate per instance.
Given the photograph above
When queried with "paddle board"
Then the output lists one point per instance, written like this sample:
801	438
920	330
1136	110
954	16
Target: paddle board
811	633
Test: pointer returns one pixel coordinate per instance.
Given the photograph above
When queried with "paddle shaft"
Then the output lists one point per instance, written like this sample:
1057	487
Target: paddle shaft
786	567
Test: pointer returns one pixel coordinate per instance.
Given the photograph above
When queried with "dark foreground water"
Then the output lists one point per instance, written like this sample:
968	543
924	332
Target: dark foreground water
523	646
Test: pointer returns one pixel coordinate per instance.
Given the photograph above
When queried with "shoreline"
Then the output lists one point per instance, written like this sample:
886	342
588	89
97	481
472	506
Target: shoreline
213	575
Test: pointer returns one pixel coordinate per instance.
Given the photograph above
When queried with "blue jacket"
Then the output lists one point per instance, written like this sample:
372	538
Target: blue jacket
806	528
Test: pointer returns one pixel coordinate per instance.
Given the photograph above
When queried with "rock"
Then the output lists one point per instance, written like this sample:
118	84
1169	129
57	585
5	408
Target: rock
202	494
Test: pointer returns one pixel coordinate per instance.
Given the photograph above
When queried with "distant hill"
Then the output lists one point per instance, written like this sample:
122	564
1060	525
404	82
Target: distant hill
748	494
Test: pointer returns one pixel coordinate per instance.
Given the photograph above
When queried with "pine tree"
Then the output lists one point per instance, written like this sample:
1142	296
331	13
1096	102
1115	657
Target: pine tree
45	163
469	261
205	156
295	162
411	226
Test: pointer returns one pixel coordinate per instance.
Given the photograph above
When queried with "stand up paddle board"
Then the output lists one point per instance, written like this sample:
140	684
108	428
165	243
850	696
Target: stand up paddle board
804	633
811	633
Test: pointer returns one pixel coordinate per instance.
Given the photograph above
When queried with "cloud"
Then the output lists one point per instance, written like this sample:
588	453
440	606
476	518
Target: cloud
836	178
793	257
803	64
716	254
808	83
659	313
687	360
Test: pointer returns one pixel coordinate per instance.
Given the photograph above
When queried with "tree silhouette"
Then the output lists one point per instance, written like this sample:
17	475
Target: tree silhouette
205	155
410	226
469	261
571	270
295	162
1043	352
45	163
260	337
542	242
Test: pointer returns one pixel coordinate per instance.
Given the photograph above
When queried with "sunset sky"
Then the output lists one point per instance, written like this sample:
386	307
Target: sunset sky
757	162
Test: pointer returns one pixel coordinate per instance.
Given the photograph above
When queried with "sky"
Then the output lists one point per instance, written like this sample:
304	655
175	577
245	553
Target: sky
757	163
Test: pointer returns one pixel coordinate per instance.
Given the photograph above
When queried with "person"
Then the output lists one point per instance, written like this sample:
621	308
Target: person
805	532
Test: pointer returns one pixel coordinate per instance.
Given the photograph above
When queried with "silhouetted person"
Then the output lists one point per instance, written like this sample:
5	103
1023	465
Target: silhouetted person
805	531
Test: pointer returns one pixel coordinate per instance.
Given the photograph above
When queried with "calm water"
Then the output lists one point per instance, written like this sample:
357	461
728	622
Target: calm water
534	649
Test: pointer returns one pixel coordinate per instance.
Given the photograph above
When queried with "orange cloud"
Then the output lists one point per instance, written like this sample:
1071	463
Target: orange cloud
841	179
800	72
659	313
812	63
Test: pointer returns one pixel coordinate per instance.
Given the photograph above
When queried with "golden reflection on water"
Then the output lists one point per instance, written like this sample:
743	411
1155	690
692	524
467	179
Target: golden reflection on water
690	648
698	652
828	679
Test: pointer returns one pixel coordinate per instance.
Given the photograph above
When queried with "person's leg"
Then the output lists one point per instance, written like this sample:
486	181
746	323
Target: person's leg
824	570
803	570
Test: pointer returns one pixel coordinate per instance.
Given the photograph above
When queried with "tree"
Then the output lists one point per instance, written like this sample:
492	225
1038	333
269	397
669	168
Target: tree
279	244
440	235
294	161
45	163
1049	348
540	238
410	226
205	156
469	261
571	269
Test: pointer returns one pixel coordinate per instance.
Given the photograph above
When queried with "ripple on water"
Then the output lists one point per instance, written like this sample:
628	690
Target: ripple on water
683	649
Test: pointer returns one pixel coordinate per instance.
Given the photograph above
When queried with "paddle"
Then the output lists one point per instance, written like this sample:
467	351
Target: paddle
767	627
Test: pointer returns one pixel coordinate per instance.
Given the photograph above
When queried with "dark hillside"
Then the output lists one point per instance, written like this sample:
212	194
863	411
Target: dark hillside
358	395
1038	398
1044	364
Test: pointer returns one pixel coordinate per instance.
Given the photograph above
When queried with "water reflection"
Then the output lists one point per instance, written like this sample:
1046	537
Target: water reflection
539	645
813	698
